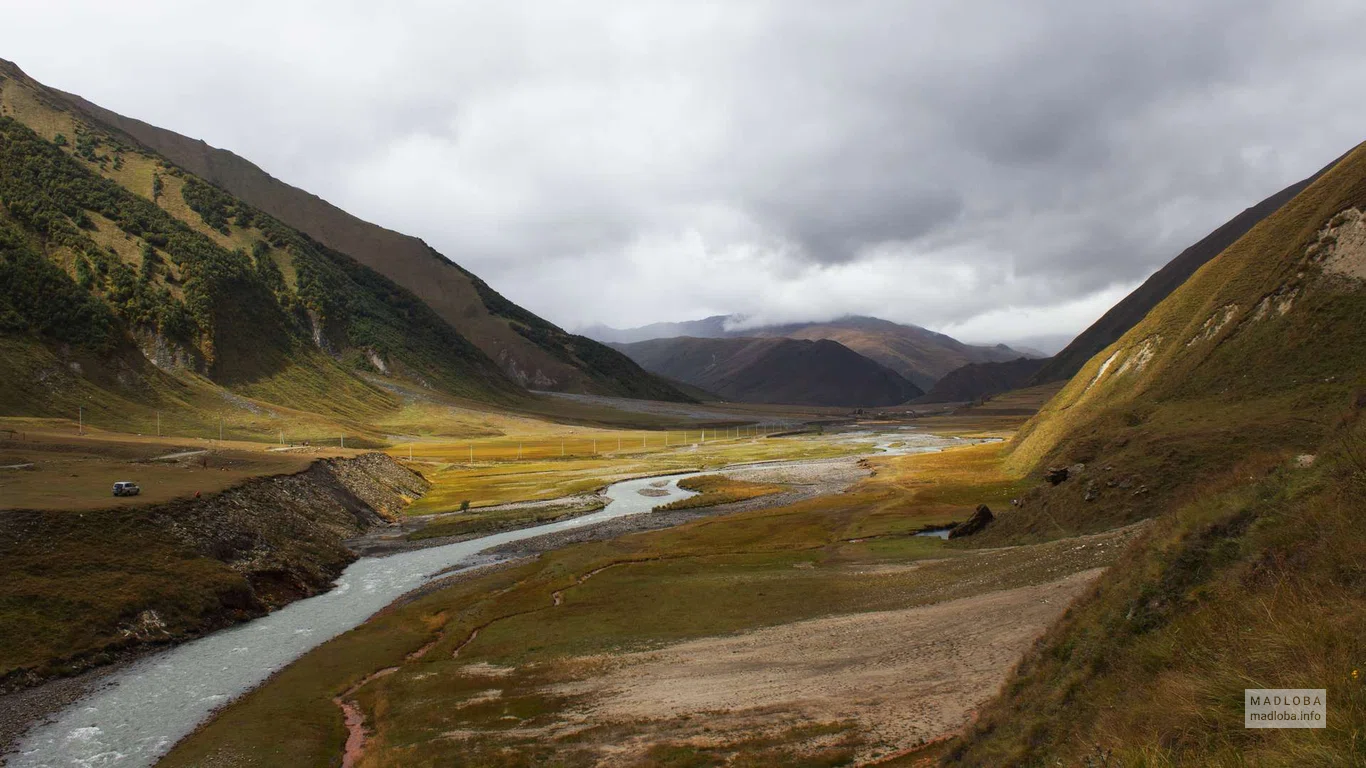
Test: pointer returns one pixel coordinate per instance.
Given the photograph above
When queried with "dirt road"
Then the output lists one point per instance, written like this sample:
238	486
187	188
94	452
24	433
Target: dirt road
903	676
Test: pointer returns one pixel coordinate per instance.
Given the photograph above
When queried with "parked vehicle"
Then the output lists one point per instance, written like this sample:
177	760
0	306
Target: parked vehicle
126	488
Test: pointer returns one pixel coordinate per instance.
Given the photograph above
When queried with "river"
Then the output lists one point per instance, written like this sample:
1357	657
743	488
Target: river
140	712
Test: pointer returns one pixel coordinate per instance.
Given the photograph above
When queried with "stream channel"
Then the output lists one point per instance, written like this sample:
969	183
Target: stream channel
138	713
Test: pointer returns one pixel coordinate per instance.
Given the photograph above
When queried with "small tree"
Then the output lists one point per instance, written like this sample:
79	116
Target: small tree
84	278
150	262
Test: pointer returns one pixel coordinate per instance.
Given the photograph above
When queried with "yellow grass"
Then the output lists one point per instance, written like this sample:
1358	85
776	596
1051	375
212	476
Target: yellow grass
75	471
496	475
825	556
713	490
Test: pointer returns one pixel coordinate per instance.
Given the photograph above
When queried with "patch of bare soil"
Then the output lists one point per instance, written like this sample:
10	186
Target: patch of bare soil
1341	246
903	677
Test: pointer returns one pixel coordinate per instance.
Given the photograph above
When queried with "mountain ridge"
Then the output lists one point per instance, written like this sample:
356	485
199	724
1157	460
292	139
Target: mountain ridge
530	350
920	355
774	370
1132	308
978	380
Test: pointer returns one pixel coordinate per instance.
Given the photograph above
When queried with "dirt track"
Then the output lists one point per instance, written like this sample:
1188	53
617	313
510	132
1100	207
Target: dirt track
903	676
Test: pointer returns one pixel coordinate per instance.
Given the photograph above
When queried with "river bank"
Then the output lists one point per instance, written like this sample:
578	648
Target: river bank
364	588
140	711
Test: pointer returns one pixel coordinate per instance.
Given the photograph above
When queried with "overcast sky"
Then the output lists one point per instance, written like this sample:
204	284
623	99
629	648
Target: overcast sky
996	170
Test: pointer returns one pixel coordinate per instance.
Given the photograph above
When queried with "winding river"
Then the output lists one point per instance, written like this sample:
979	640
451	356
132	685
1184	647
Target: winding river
140	712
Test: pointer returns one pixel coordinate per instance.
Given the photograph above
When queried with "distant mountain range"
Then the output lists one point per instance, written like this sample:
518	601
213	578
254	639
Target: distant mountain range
774	370
918	355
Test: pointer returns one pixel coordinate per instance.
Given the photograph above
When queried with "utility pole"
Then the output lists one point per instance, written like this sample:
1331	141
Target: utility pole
618	443
519	451
471	453
220	427
80	420
343	441
595	446
562	449
410	451
158	423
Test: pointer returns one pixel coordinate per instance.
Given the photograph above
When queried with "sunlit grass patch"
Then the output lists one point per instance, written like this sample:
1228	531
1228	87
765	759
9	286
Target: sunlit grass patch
495	475
718	489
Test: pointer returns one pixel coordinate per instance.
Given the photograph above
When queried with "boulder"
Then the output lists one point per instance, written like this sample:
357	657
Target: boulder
1055	475
979	520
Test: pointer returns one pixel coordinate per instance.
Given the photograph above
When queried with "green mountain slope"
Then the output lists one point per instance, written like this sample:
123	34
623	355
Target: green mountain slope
1233	414
531	351
140	295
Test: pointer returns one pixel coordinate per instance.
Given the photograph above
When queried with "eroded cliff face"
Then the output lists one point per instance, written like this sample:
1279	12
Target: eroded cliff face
287	534
79	590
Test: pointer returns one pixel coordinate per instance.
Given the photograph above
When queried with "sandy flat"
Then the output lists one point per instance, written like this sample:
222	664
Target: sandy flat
903	675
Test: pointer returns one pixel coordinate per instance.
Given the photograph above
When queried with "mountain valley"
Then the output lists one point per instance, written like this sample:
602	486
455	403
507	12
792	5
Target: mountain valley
384	516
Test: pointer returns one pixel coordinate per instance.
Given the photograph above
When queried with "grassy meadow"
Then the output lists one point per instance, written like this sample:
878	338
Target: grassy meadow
541	625
592	460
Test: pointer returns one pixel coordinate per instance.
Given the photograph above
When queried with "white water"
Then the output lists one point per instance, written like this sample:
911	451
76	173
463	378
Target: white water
140	712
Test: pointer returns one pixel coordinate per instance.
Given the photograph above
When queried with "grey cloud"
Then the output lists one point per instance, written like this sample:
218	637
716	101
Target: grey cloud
627	162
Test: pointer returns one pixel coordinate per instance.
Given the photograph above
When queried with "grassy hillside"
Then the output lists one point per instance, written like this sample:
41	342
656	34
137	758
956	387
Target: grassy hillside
129	279
529	350
1255	354
774	370
1256	582
1232	413
1133	307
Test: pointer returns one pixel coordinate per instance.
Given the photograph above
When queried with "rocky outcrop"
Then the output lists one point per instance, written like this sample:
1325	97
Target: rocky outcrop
287	533
979	520
182	568
1055	475
1059	475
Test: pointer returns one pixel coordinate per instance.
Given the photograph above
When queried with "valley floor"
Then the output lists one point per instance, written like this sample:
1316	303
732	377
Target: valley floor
808	628
789	614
